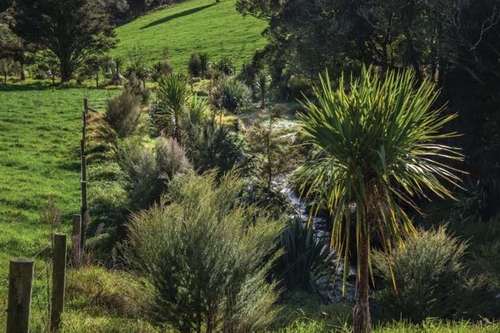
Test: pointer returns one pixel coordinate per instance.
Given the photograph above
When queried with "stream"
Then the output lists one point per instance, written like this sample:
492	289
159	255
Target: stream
331	288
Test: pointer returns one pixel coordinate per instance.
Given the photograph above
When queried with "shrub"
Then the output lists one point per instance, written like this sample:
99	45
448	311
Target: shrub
218	148
122	118
160	69
173	95
306	259
231	95
148	171
429	277
198	64
204	254
137	88
247	74
225	66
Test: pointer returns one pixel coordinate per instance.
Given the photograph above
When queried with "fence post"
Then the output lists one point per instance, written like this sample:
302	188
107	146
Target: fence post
84	168
58	281
85	215
76	240
20	280
85	113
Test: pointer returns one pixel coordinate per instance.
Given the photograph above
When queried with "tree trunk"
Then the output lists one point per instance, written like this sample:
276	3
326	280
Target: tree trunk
23	75
361	312
66	70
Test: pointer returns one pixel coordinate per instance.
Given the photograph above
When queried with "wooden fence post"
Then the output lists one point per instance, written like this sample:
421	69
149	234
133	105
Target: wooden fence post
82	147
84	168
76	240
58	281
84	214
20	280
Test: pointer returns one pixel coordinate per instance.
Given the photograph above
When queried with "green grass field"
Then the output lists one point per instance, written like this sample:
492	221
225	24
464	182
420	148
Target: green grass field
39	159
193	26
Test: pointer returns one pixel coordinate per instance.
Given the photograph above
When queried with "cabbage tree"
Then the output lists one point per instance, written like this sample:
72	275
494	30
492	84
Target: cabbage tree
377	140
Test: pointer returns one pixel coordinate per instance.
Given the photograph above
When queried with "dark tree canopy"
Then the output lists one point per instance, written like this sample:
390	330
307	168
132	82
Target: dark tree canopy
69	30
342	34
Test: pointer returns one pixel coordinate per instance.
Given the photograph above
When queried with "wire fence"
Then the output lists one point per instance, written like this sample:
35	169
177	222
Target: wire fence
41	296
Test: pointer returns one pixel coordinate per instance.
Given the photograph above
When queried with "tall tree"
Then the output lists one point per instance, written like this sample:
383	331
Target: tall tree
70	30
376	140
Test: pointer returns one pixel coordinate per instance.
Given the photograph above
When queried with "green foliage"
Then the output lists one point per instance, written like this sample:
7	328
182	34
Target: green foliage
70	31
109	290
137	88
148	171
224	66
216	147
487	258
204	254
247	74
160	69
173	94
308	313
261	84
122	118
438	326
430	281
231	94
272	143
198	64
305	260
375	136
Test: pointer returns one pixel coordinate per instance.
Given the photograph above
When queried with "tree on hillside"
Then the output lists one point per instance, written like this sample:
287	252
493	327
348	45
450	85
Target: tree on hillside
376	141
69	30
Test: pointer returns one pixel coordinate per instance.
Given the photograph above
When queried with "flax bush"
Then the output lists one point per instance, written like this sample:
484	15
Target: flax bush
232	95
306	259
204	254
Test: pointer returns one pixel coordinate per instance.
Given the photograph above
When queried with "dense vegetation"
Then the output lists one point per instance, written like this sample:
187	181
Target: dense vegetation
204	134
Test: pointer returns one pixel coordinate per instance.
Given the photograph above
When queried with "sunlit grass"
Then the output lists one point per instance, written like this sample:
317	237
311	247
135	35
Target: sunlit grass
39	159
193	26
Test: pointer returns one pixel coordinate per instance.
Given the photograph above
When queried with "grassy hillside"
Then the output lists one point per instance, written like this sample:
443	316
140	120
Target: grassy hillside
39	159
194	26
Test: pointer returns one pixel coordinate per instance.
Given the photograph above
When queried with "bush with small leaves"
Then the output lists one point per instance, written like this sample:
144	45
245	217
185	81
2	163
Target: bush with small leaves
204	254
137	88
149	170
430	279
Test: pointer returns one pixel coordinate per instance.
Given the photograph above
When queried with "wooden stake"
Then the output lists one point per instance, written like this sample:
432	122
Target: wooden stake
20	281
58	281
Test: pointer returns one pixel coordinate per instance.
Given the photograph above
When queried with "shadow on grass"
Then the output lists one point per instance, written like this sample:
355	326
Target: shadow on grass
40	85
174	16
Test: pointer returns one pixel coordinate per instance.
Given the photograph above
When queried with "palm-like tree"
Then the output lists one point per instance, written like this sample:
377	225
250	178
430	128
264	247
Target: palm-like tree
173	94
376	140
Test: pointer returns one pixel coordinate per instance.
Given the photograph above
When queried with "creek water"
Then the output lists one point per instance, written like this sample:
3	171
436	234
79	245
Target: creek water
331	286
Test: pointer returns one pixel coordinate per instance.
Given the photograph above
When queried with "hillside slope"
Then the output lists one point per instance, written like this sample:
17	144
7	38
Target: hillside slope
193	26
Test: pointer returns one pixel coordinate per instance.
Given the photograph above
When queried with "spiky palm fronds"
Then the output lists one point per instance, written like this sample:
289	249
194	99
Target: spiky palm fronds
376	136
